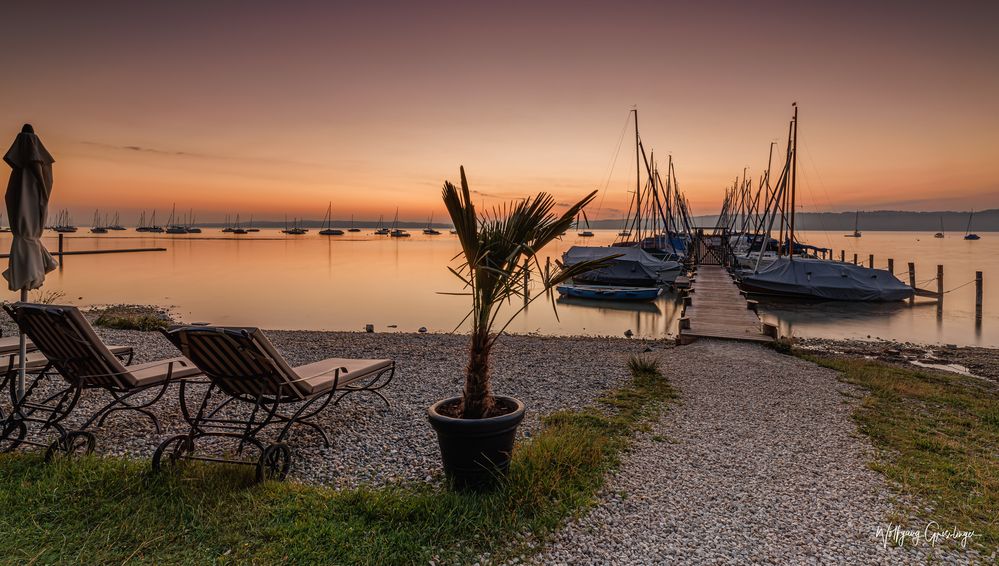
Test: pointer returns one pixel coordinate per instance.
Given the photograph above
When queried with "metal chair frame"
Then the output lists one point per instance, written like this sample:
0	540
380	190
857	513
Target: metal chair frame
274	458
49	412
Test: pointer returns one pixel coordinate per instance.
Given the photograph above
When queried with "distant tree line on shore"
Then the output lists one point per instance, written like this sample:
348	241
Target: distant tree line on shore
875	220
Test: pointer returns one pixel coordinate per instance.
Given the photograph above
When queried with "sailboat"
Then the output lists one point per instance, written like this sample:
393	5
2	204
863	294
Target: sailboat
396	231
236	228
96	227
64	224
429	230
173	226
856	232
116	225
189	226
791	275
295	229
352	228
328	229
381	230
968	234
152	224
249	225
585	233
940	234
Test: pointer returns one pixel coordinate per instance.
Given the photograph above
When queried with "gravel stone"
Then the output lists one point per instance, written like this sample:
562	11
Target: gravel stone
372	444
761	464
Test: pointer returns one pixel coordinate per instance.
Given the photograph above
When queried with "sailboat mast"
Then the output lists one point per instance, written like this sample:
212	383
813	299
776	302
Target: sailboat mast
638	182
794	174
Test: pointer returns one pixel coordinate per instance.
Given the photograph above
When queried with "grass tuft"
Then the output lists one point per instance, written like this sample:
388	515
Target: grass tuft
125	317
114	510
643	365
938	435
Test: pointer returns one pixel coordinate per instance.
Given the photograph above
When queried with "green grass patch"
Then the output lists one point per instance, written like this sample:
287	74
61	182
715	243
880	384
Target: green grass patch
113	510
127	317
940	440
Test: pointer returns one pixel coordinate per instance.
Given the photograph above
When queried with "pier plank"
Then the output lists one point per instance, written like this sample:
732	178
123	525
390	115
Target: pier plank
718	309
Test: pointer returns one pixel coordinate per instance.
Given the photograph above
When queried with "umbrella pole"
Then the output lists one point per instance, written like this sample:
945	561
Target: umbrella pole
23	351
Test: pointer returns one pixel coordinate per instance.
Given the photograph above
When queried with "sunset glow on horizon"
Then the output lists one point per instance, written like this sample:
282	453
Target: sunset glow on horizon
261	109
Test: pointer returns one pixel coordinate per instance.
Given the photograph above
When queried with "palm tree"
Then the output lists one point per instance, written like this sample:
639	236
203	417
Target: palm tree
498	249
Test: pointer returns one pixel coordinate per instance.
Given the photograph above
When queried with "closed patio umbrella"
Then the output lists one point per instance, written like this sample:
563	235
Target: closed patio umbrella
27	207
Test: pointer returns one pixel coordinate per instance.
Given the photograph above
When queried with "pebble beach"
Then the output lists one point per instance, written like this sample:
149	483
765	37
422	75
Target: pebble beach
758	461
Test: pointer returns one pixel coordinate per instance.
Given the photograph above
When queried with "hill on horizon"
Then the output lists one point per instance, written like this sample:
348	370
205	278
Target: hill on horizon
876	220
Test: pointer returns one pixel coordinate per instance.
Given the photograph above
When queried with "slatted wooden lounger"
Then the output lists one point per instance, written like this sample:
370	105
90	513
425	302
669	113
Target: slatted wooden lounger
70	352
247	372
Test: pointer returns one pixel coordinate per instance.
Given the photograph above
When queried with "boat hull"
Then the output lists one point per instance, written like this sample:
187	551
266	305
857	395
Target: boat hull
826	280
608	293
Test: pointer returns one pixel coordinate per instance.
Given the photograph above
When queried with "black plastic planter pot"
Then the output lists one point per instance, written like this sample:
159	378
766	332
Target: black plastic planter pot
476	452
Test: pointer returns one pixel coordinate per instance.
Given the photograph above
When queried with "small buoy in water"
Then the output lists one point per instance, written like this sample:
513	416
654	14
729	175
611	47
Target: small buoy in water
369	327
628	333
423	329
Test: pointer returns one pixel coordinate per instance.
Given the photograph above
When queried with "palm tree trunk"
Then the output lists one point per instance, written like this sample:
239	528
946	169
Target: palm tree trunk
477	398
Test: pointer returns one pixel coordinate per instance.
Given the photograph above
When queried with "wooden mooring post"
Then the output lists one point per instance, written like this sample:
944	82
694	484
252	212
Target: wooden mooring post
940	290
842	256
854	259
60	247
891	266
912	281
527	281
978	296
870	261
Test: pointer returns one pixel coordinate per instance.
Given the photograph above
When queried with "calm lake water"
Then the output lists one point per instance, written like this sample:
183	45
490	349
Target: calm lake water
271	280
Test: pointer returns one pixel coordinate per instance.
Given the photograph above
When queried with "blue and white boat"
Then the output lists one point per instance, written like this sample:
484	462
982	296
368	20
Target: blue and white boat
610	293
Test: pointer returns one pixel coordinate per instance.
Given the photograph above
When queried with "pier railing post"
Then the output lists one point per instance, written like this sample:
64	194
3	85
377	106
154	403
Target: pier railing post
870	261
978	295
891	266
60	250
854	259
842	256
912	281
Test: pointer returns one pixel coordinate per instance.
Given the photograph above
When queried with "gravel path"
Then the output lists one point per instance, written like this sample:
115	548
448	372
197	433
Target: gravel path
758	463
372	444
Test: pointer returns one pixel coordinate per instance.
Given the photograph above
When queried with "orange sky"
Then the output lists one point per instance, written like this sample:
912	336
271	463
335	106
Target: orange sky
276	109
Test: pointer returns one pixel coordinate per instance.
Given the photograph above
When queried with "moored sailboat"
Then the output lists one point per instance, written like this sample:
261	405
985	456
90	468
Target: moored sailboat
328	229
791	275
856	225
968	234
429	230
396	231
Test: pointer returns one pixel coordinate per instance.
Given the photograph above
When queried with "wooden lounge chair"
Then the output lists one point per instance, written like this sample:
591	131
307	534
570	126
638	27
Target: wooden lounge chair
250	374
10	345
68	345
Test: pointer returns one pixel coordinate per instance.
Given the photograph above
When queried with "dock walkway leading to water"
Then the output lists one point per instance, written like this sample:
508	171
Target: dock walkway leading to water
717	309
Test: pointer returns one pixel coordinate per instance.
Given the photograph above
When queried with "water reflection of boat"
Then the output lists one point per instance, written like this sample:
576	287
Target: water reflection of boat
631	306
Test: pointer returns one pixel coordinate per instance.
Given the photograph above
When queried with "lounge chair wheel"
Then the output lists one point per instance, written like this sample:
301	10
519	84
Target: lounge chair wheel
275	461
170	452
74	442
14	432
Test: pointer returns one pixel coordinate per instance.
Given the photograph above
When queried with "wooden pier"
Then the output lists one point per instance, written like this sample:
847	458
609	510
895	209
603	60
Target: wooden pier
716	308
